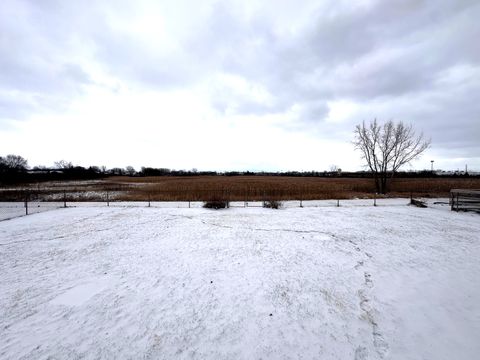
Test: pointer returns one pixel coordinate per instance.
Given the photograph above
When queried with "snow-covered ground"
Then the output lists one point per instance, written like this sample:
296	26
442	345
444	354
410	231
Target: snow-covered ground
354	282
10	210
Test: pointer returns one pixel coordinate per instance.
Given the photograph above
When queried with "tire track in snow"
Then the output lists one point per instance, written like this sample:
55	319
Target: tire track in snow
269	230
78	224
77	234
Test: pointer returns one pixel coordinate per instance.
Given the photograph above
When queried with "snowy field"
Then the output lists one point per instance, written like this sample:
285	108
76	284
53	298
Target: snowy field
354	282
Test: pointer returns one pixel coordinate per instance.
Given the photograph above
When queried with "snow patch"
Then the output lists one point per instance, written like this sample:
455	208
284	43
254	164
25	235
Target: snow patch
80	294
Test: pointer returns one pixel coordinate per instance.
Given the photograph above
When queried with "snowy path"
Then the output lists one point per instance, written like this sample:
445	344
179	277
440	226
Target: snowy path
314	283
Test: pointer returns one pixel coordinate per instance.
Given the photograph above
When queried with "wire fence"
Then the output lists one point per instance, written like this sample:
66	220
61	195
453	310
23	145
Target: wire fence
125	194
10	210
15	203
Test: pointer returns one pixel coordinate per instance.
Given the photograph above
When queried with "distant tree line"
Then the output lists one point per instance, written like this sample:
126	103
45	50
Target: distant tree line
15	169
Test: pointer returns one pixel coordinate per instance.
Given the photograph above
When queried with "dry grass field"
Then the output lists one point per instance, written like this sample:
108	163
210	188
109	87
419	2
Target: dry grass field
280	188
248	187
233	188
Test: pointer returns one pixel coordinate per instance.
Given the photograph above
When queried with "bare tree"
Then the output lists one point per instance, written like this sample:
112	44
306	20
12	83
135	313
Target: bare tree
117	171
63	164
333	168
14	162
386	148
130	170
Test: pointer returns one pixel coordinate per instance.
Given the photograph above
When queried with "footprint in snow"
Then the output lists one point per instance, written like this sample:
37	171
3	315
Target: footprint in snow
368	280
361	353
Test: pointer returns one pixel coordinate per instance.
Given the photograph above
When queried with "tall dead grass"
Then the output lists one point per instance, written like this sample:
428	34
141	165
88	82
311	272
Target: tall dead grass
253	188
260	188
249	188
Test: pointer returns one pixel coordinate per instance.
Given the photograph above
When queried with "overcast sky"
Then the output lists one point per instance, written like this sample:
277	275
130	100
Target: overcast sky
235	85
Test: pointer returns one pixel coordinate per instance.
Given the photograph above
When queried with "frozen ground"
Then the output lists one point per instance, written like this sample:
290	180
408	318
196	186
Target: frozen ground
10	210
354	282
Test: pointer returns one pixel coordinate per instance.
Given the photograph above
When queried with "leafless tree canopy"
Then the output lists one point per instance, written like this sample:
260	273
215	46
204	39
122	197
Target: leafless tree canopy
63	164
130	170
386	148
13	162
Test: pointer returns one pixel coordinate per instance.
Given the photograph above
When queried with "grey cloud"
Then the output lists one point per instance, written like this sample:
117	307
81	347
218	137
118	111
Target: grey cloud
447	113
351	34
392	53
34	62
348	55
242	106
74	73
126	58
314	111
326	61
13	108
41	89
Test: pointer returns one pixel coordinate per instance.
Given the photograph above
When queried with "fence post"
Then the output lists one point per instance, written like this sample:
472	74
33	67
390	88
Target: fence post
64	199
148	200
189	204
108	202
338	203
302	191
375	199
26	203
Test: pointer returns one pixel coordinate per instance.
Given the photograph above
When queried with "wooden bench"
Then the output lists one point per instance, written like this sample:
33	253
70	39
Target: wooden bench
465	200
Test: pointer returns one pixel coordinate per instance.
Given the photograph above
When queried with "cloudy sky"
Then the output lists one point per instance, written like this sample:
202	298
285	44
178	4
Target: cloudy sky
224	85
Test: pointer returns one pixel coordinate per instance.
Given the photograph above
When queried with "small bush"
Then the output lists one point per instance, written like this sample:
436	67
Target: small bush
418	203
272	204
216	204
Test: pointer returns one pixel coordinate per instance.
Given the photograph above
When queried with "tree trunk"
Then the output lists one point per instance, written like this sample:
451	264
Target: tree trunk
377	183
383	183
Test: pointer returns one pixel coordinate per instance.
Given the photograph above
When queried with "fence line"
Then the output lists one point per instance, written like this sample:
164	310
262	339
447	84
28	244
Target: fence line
111	195
10	210
14	203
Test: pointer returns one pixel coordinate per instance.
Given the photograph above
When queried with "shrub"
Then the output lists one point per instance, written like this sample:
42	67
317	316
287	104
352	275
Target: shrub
272	204
418	203
216	204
